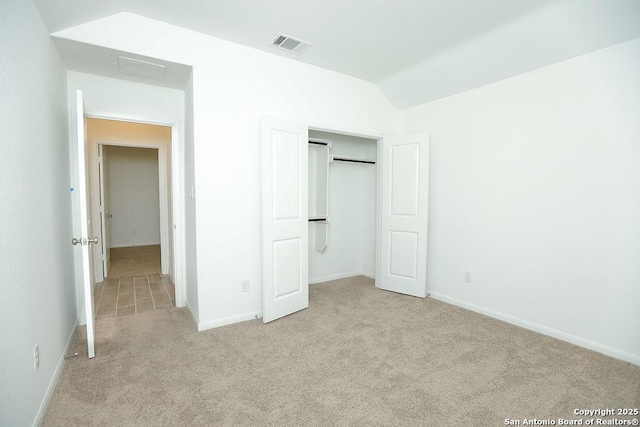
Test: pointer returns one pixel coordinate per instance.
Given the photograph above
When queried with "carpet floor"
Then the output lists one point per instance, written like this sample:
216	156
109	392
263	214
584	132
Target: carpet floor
358	356
134	261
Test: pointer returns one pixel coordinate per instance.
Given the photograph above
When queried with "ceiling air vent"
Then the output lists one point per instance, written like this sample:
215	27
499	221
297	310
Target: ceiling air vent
290	44
135	67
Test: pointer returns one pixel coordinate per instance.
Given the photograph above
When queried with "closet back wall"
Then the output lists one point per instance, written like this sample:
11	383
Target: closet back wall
352	212
133	193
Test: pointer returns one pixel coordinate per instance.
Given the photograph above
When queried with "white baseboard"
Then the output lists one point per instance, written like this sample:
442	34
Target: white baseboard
581	342
193	316
55	378
339	276
216	323
131	245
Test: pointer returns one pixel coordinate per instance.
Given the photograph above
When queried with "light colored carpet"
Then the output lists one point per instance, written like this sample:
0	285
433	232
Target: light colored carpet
134	261
358	356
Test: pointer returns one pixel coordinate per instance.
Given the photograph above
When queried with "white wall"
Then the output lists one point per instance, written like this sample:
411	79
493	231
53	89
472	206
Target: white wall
36	257
232	87
535	189
134	197
191	252
351	209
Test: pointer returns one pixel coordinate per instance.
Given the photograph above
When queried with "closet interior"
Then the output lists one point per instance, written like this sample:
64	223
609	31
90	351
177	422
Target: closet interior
342	206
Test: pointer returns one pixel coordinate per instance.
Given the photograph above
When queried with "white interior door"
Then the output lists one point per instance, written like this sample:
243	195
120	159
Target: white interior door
105	214
404	216
83	242
285	230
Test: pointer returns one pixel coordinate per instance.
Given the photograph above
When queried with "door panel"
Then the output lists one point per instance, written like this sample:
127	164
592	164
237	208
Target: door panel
403	254
404	217
286	267
285	231
84	243
405	174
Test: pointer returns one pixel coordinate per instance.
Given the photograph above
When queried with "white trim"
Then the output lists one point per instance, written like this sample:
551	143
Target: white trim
132	245
177	192
216	323
163	190
581	342
56	377
177	215
337	277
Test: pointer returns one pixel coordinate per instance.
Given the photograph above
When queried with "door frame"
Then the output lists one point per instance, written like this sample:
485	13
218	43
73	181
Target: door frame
163	180
177	193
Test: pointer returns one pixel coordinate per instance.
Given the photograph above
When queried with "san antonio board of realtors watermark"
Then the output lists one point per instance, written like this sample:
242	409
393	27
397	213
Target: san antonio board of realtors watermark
584	417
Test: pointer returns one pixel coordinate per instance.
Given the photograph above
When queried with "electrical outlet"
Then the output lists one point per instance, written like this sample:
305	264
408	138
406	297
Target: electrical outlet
244	286
36	358
467	276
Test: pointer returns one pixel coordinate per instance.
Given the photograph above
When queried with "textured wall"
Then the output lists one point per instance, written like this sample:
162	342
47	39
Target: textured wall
134	199
36	258
536	190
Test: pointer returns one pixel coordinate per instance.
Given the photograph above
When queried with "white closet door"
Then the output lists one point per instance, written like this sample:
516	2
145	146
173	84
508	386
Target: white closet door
285	230
405	204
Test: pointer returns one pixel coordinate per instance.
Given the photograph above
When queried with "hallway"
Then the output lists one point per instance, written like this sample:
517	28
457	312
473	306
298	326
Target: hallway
134	285
132	295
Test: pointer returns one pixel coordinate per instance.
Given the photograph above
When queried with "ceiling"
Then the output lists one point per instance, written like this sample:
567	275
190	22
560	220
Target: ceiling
369	39
103	61
415	51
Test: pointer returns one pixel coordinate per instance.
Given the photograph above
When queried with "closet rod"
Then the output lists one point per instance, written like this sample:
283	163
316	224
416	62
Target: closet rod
369	162
318	143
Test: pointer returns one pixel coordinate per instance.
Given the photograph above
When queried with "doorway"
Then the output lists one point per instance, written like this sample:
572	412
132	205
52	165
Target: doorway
130	209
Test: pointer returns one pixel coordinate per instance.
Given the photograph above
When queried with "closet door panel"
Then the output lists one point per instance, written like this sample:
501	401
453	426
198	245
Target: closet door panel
405	202
285	230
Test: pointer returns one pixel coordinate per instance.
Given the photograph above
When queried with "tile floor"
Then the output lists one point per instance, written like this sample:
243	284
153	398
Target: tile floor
131	295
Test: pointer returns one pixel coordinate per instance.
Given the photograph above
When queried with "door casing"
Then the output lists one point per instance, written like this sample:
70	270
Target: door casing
178	197
163	186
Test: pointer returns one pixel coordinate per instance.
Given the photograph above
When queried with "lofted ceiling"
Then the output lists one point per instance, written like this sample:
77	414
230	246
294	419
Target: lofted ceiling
369	39
400	45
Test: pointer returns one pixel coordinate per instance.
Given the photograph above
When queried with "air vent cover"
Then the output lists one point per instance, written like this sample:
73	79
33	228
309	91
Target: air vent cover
290	44
135	67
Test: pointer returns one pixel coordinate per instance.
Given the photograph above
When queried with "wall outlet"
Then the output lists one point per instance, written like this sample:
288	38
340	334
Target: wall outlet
36	358
244	286
467	276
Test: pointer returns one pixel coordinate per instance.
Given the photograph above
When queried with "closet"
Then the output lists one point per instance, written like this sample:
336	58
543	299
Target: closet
335	206
342	206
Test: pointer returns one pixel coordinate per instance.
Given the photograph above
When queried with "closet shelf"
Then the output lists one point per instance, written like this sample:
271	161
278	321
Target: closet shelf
334	158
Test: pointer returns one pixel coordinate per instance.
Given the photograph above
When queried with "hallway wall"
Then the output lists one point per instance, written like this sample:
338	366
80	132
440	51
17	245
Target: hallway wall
133	196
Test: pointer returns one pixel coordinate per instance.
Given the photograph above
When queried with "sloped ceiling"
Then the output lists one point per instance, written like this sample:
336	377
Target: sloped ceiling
414	50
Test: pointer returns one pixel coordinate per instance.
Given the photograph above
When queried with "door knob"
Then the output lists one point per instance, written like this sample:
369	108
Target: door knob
83	241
